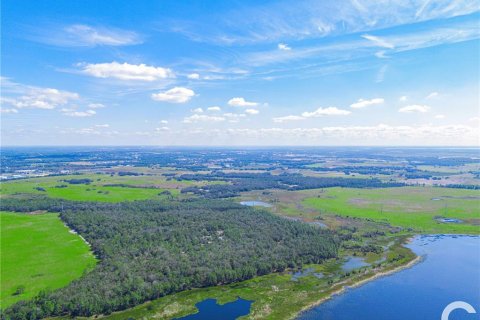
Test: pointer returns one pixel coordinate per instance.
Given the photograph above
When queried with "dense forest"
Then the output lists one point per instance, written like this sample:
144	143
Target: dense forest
241	182
148	249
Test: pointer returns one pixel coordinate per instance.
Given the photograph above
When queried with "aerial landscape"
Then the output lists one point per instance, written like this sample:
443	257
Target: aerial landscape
221	160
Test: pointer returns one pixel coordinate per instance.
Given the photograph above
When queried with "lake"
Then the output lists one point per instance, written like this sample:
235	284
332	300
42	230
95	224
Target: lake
255	204
210	310
450	271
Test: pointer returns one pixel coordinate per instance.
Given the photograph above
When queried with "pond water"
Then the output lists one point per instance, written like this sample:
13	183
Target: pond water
255	204
354	263
304	273
210	310
448	272
450	220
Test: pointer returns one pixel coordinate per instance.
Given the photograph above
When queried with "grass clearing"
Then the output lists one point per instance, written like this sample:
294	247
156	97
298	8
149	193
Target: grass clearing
408	207
95	191
38	252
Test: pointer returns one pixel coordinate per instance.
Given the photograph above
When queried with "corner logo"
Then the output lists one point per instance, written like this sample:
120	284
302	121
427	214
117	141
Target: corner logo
457	305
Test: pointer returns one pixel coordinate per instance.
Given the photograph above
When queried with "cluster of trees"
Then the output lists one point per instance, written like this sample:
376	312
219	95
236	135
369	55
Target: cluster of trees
148	249
79	181
241	182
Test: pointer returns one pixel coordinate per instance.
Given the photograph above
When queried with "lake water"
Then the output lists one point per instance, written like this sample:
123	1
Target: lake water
255	204
449	272
210	310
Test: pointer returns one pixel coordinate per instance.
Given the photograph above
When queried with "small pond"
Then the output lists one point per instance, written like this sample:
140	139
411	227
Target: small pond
255	204
209	309
354	263
304	273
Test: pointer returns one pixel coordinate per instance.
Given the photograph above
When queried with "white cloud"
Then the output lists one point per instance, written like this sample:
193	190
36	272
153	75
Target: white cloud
234	117
197	110
252	111
174	95
193	76
403	98
96	106
283	47
330	111
162	129
126	71
381	54
41	98
432	95
78	114
414	108
378	41
102	125
163	121
241	102
440	116
287	118
202	118
215	109
81	35
9	110
361	103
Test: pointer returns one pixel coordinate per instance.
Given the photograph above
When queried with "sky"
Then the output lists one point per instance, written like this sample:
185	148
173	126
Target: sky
240	73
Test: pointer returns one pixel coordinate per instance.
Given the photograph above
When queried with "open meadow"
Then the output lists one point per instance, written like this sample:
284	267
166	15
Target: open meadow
38	252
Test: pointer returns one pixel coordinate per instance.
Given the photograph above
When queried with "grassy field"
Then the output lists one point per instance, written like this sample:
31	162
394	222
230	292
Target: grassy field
409	207
142	187
38	252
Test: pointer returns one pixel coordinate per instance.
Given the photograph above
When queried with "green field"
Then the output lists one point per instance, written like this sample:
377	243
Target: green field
409	207
38	252
95	191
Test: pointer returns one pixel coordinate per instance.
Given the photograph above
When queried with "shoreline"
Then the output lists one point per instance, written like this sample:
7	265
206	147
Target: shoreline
359	283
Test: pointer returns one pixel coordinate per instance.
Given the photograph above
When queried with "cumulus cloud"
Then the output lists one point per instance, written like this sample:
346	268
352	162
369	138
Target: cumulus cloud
241	102
197	110
102	125
126	71
162	129
288	118
440	116
163	121
403	98
41	98
174	95
8	110
283	47
78	114
414	108
252	111
202	118
234	117
215	109
193	76
96	106
330	111
361	103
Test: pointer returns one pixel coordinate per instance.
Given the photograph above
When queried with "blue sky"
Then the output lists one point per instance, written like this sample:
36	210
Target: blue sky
358	72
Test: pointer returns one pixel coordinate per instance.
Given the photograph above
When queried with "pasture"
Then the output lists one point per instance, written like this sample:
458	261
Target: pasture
38	252
133	188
